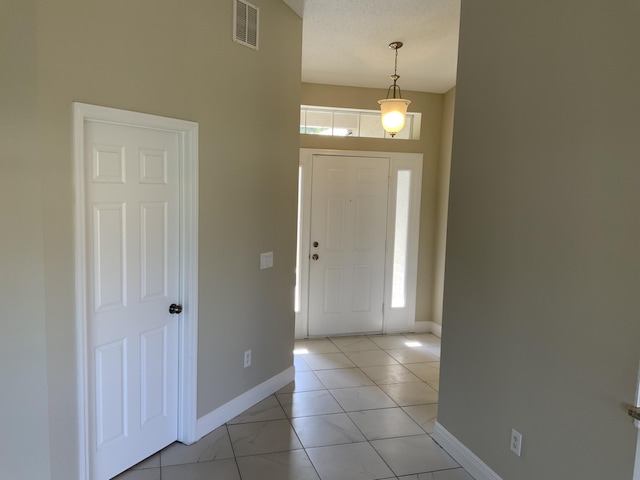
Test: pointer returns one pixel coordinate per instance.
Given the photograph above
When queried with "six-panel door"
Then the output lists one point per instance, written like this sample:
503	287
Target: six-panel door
348	223
132	208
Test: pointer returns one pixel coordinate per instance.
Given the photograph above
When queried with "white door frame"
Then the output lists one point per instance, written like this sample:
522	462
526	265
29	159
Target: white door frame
636	468
398	320
188	321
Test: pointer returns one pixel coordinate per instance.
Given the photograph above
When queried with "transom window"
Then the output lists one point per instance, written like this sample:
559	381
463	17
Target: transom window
343	122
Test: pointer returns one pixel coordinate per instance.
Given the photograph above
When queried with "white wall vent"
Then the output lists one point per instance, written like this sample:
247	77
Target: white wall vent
245	23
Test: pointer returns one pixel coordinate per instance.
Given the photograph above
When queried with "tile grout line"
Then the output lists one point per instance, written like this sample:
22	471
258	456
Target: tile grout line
342	409
397	405
298	437
233	450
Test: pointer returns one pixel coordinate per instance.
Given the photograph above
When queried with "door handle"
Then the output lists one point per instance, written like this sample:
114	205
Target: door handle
175	309
315	256
634	412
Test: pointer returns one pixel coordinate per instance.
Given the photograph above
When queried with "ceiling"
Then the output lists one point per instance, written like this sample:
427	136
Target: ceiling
345	42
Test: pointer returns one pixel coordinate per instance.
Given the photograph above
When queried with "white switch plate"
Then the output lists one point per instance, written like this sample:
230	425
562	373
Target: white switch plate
516	442
247	358
266	260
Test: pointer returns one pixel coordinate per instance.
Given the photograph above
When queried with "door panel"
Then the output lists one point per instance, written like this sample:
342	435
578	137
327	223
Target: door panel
132	195
111	392
348	221
154	395
109	260
154	233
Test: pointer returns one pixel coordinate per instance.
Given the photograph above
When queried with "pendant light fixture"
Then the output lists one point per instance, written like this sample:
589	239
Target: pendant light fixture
394	110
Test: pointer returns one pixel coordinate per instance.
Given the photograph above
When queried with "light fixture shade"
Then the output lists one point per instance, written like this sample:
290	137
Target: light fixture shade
394	112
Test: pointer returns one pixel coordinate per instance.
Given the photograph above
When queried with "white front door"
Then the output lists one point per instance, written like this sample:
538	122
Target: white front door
347	244
132	210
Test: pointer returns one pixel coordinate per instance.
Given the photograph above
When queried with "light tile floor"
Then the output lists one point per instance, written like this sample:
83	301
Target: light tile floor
360	408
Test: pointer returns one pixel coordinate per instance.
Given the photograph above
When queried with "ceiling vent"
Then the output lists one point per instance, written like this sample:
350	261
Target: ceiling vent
245	23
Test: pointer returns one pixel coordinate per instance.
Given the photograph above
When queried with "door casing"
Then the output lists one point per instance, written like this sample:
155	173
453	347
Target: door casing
636	468
398	320
188	323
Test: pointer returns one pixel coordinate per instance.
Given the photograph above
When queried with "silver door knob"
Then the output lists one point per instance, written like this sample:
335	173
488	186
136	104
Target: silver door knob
175	309
315	256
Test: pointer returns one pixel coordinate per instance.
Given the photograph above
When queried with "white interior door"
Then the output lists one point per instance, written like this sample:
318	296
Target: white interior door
132	242
348	234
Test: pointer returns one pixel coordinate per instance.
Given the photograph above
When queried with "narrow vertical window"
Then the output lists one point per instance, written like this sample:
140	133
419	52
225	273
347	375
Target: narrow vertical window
401	234
298	243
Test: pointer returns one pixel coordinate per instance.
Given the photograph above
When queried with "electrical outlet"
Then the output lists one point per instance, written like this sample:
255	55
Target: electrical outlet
266	260
516	441
247	358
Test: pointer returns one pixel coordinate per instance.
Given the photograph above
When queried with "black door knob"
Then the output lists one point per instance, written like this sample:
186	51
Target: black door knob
175	309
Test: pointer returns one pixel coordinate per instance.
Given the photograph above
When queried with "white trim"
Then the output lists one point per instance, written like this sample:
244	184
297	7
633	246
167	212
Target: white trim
465	457
402	320
187	395
436	329
302	316
637	422
235	407
188	355
636	465
81	295
636	468
412	126
428	327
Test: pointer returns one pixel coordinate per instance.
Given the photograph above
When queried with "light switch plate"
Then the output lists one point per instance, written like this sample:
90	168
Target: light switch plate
266	260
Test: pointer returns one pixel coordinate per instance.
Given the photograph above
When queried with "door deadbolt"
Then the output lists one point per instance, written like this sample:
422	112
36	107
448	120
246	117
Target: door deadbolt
315	244
175	309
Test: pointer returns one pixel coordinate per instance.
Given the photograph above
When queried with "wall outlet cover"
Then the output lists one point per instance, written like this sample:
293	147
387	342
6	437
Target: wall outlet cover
516	442
266	260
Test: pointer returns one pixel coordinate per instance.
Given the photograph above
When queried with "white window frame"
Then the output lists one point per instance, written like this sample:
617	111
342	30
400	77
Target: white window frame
414	121
402	319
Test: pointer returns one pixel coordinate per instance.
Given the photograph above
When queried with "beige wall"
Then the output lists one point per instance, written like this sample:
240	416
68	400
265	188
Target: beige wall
432	108
442	205
174	59
541	330
24	444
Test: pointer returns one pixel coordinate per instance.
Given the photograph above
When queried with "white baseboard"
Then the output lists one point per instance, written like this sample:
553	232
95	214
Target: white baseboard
428	327
421	327
235	407
465	457
436	329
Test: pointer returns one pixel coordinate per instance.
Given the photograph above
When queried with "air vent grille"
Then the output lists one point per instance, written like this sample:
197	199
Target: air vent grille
245	24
